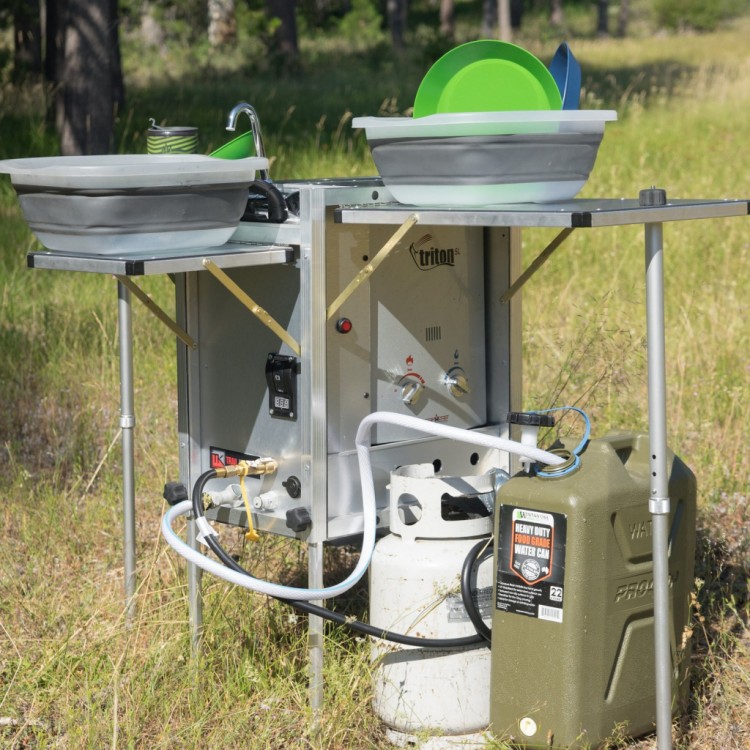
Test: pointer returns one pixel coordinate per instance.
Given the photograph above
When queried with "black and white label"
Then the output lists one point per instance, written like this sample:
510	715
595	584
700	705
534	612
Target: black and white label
531	563
482	599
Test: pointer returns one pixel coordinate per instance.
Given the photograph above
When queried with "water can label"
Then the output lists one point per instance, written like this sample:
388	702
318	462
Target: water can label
531	563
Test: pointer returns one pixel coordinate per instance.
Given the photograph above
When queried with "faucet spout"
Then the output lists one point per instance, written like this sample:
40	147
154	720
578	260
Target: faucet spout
249	110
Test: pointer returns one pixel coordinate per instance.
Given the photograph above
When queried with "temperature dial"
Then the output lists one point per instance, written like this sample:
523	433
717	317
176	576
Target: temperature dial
457	382
411	391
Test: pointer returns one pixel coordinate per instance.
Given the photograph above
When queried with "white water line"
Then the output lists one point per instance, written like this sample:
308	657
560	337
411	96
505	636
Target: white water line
369	510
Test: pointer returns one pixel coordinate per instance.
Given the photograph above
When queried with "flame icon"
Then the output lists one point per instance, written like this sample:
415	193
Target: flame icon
409	361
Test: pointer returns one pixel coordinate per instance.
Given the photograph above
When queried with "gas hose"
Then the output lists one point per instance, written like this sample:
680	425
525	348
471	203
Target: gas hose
314	609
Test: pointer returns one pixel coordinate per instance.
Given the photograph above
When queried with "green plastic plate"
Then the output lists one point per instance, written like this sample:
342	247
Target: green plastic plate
486	76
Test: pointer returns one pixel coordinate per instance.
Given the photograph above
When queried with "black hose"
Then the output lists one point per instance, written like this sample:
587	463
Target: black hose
466	571
315	609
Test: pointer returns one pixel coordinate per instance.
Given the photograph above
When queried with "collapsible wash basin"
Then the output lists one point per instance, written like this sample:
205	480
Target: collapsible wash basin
145	203
481	158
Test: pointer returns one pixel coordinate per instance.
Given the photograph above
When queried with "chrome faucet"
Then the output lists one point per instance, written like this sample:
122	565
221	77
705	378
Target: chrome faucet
237	110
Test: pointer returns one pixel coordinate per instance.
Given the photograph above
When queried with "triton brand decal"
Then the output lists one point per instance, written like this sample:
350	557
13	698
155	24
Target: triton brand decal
427	256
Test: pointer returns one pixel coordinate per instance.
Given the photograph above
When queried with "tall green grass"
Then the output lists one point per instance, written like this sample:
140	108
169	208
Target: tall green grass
73	674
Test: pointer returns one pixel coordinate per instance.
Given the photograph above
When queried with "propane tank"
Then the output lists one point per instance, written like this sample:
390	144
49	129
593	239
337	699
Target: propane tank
573	620
415	589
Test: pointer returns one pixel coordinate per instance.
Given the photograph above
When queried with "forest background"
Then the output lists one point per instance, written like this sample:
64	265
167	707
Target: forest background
72	673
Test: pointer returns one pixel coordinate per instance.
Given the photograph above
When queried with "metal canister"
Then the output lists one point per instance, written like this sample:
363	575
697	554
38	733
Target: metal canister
175	139
414	589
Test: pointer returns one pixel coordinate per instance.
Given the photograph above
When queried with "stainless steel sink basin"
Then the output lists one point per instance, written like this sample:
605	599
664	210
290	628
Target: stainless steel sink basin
115	204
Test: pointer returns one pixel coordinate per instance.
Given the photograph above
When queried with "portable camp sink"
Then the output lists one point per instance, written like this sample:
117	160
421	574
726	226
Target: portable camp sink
355	305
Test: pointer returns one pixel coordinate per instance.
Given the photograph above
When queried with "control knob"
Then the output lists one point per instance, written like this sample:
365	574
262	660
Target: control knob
457	382
411	391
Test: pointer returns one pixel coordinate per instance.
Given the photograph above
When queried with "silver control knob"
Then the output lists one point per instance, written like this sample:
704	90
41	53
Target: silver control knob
458	383
411	392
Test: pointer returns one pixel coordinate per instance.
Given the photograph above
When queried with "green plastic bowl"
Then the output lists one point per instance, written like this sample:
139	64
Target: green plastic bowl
486	76
238	148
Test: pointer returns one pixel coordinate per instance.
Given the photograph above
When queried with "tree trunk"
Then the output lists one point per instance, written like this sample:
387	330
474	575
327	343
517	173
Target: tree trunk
622	18
85	96
27	38
503	15
285	38
489	18
54	38
222	22
602	17
118	83
448	19
556	16
516	13
397	15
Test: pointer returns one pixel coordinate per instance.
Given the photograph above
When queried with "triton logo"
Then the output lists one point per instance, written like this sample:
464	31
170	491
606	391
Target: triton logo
426	256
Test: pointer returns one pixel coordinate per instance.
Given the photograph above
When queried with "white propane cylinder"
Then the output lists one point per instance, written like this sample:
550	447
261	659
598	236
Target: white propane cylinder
415	578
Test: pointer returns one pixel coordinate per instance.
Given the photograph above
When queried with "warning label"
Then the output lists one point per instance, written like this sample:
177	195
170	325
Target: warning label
531	563
482	599
221	457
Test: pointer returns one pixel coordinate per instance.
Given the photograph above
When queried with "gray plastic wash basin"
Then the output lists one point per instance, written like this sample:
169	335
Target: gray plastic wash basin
139	203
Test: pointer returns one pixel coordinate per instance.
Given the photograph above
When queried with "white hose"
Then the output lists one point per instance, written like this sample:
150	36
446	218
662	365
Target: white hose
369	510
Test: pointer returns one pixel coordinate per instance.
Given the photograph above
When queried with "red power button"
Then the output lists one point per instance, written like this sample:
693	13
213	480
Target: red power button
344	325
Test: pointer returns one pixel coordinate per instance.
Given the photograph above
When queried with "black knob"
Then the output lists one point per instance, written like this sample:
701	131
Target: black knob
652	197
293	487
531	418
175	492
298	519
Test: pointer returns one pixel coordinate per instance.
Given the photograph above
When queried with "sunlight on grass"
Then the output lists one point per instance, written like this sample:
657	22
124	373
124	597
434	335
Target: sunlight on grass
75	675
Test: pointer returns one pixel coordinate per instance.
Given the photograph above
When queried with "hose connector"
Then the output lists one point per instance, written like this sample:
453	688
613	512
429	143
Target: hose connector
255	468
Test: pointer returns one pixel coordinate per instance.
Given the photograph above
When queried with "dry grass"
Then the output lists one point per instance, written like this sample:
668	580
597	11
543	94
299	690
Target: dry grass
73	674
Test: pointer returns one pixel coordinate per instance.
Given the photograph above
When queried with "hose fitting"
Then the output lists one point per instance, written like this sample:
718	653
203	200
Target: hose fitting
255	468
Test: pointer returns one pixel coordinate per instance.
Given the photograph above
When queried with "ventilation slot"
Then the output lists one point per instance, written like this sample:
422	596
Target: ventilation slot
433	333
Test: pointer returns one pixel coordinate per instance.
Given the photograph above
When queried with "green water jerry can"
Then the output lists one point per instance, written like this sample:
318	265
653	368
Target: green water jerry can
572	626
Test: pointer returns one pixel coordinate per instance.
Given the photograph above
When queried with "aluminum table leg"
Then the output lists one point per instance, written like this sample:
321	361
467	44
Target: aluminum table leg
659	505
127	424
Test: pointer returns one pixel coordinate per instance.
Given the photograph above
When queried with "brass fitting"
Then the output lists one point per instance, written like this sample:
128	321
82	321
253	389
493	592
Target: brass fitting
255	468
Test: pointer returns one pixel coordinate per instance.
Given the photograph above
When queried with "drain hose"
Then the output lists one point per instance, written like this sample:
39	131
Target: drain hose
314	609
368	507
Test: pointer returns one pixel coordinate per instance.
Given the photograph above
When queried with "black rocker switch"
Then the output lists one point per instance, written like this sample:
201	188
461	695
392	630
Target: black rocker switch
281	376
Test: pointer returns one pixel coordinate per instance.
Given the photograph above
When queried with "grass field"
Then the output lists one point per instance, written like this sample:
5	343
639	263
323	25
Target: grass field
74	675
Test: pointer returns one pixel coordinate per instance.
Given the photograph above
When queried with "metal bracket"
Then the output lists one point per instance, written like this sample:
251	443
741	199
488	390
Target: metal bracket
536	264
263	315
370	268
153	308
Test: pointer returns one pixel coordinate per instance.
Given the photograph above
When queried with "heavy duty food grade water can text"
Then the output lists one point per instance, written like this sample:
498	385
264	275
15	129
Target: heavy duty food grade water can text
573	619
